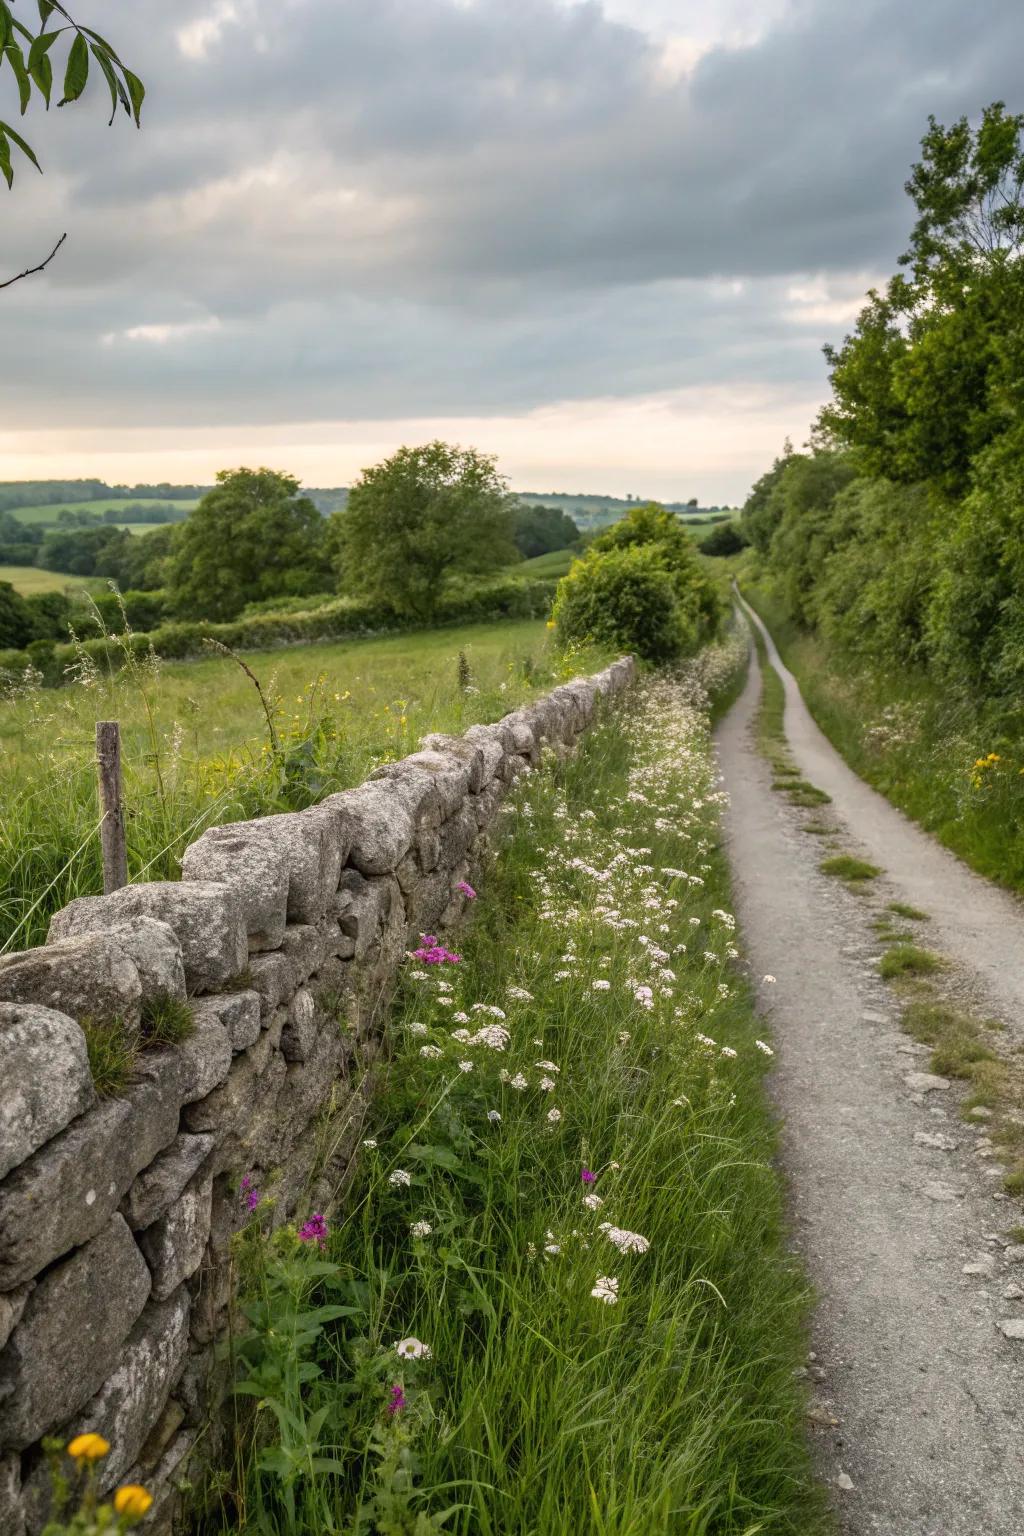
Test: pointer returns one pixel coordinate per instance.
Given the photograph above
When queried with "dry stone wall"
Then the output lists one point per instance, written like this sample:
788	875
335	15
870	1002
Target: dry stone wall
117	1214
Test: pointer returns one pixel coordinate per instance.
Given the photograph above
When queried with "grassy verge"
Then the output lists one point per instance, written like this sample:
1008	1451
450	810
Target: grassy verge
771	736
198	747
942	761
560	1299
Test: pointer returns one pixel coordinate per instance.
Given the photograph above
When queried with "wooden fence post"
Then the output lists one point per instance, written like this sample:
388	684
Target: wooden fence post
108	770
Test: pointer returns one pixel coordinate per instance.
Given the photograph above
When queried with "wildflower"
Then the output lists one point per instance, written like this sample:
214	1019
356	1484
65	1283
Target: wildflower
520	994
601	985
625	1242
495	1013
546	1066
727	1050
88	1447
132	1501
459	1018
768	981
400	1179
644	997
606	1289
417	1029
249	1193
493	1116
413	1349
518	1082
420	1228
370	1144
624	1037
546	1084
551	1246
314	1230
593	1202
396	1402
554	1115
587	1176
765	1048
433	952
431	1052
465	1066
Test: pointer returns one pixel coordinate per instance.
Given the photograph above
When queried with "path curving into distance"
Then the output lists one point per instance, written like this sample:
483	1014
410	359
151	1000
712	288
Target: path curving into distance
917	1411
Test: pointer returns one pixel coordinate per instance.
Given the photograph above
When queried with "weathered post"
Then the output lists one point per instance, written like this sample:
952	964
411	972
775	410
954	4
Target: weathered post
108	770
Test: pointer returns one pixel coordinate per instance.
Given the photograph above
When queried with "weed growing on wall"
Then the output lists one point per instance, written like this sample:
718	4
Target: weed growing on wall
558	1298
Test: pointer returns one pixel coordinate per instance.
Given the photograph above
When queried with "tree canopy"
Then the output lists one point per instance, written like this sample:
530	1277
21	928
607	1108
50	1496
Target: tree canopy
417	521
252	537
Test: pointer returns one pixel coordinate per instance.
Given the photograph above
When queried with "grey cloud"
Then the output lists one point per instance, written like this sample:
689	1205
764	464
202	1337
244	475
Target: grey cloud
400	207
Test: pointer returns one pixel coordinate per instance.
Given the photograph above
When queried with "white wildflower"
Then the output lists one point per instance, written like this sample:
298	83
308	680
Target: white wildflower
413	1349
369	1144
465	1066
554	1115
606	1289
601	985
593	1202
431	1051
493	1116
420	1228
400	1179
518	1082
765	1048
418	1029
546	1084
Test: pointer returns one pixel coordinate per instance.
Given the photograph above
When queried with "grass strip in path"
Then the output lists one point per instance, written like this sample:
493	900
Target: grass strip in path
561	1299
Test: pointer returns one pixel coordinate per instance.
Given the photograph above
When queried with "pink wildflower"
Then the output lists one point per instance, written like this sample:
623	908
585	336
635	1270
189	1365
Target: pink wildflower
588	1177
432	952
314	1230
250	1195
397	1400
466	889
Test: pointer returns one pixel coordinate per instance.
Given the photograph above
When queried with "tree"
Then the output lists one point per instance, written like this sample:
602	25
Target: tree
624	598
419	520
29	56
538	530
252	537
648	524
16	625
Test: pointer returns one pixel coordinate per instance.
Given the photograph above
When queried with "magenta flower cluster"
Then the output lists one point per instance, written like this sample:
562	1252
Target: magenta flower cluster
314	1230
433	952
248	1193
466	889
588	1177
396	1402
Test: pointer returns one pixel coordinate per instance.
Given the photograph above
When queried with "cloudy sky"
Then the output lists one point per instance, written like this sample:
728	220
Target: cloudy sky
604	239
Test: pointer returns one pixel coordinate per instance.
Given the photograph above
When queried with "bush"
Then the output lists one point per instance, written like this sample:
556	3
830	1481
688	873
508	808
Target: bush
727	539
625	598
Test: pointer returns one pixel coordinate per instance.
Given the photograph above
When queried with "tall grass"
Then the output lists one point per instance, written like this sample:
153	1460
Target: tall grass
197	750
949	762
619	1085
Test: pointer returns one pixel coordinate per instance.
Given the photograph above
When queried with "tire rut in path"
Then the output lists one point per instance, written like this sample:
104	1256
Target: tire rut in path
927	1394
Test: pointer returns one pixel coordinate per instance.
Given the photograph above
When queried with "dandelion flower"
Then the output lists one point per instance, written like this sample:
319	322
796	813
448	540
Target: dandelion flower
413	1349
88	1447
132	1500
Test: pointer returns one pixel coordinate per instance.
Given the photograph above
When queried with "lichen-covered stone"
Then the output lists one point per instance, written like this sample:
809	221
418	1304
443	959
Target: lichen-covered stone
173	1245
300	1027
12	1305
91	976
71	1334
204	1058
523	739
130	1401
463	751
237	1012
45	1077
488	739
436	783
456	835
157	1187
204	915
232	856
363	908
12	1512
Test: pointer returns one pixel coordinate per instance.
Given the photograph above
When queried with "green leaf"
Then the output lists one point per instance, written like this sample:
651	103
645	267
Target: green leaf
42	74
6	169
16	59
77	71
113	84
25	148
102	43
45	7
136	91
41	45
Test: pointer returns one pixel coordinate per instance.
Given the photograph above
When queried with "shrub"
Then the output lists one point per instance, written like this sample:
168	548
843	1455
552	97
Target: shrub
626	598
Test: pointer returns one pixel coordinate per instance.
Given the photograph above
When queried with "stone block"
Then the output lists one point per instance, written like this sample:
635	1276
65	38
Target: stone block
237	1012
247	865
131	1400
44	1069
12	1305
273	980
363	907
71	1334
204	1059
306	949
300	1027
68	1190
12	1511
488	739
436	783
456	835
91	976
524	742
463	751
174	1244
157	1187
382	822
204	915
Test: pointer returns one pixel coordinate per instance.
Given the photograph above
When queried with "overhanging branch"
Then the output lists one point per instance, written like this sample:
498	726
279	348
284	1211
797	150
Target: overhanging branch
30	270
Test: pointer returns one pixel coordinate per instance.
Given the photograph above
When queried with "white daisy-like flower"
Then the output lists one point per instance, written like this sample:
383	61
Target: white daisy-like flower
554	1115
606	1289
465	1066
765	1048
493	1116
518	1082
413	1349
418	1029
369	1144
431	1051
420	1228
399	1178
593	1202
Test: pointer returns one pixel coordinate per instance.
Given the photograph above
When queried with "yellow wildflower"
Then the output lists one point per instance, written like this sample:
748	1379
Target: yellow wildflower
132	1500
88	1447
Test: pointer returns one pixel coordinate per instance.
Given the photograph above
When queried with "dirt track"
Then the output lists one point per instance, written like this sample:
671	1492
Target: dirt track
918	1397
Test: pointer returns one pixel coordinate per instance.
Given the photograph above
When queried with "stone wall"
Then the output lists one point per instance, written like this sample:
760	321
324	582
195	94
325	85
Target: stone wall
116	1214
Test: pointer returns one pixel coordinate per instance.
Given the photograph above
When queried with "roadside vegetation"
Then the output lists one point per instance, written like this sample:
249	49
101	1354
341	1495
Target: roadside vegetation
887	558
558	1297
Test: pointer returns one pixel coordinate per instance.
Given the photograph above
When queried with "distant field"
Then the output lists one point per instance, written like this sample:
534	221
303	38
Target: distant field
26	579
48	514
555	563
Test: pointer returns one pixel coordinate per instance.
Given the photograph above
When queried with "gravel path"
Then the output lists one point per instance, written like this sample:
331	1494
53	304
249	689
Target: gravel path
917	1413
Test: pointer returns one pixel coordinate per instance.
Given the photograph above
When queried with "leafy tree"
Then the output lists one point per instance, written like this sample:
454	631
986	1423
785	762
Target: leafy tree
648	524
538	530
727	539
253	536
16	626
624	597
417	521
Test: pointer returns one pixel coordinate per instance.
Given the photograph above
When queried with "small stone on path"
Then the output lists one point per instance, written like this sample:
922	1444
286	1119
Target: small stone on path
984	1264
1012	1327
935	1139
871	1016
1014	1254
979	1112
845	1482
1013	1293
940	1192
925	1082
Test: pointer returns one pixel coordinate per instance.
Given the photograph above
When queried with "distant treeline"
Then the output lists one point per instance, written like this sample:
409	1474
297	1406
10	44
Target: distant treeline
52	493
